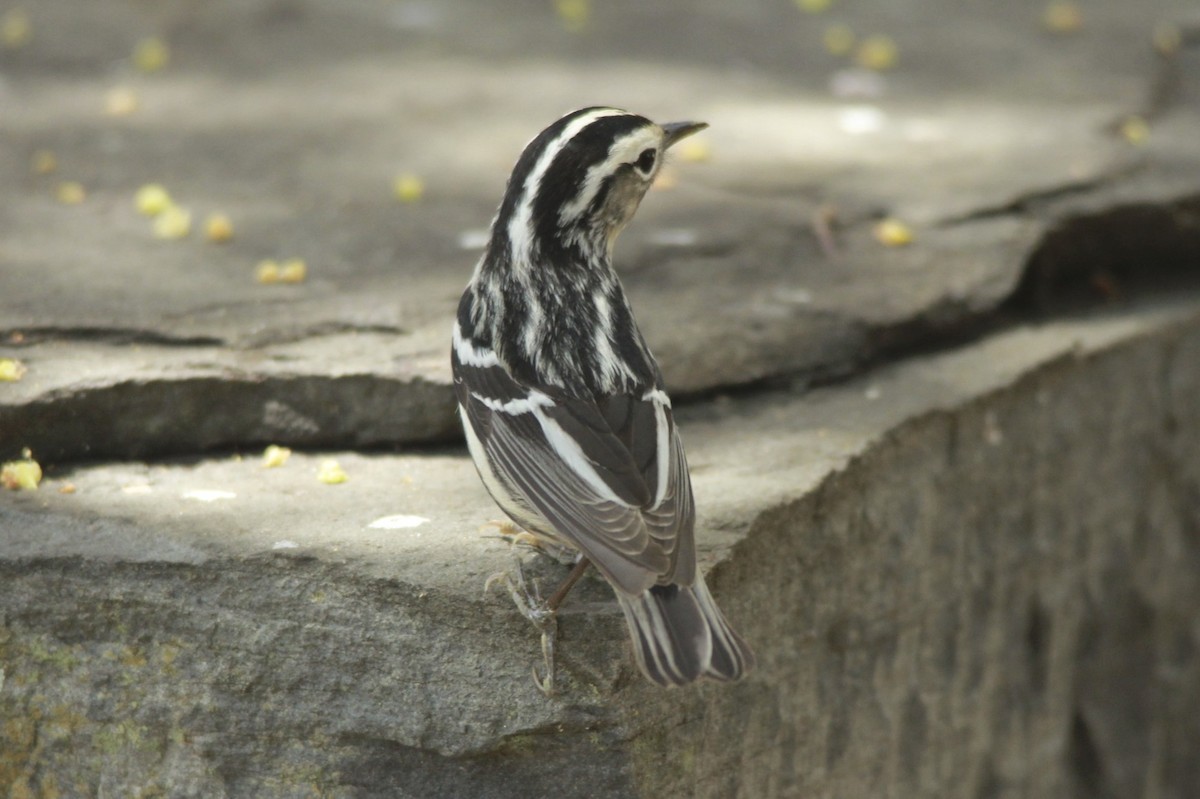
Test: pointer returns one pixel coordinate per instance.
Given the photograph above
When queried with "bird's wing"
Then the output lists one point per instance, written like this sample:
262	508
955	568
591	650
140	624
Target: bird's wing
610	476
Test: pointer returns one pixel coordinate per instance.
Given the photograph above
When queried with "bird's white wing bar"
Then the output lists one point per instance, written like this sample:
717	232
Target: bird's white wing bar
468	354
662	438
518	405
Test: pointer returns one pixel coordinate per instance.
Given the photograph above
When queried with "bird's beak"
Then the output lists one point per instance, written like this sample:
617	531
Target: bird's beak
680	130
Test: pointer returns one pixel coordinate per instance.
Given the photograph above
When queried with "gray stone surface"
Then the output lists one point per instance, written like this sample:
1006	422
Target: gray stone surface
293	117
968	561
967	574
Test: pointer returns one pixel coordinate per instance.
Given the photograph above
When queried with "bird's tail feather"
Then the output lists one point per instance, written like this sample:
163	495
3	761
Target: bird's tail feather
679	635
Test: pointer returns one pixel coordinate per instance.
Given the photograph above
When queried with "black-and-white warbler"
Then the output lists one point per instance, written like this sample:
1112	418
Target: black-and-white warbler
562	403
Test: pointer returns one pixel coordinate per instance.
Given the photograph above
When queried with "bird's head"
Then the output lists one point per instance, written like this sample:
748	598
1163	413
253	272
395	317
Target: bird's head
580	180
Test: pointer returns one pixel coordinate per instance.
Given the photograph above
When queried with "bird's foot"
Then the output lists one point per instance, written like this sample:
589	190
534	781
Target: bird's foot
531	605
515	535
505	528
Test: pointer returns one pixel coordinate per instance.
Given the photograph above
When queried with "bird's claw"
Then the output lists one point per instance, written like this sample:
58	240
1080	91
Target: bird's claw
506	529
513	534
546	684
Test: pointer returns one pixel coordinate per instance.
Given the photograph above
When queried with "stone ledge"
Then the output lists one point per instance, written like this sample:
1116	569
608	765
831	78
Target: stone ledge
292	117
965	572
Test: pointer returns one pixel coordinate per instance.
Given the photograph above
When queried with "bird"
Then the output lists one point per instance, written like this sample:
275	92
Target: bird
563	405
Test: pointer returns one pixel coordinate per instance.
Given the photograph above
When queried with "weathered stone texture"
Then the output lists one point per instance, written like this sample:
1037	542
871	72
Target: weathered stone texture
978	584
998	596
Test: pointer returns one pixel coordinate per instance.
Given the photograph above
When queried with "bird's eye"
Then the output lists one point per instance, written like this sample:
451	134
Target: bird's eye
645	162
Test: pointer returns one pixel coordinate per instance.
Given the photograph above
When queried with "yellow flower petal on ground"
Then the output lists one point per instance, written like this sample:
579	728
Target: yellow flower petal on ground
274	456
16	29
878	53
838	39
293	270
70	192
11	370
267	271
151	54
43	162
173	223
408	188
573	14
1135	129
22	475
892	232
331	473
1062	16
152	199
218	228
1167	38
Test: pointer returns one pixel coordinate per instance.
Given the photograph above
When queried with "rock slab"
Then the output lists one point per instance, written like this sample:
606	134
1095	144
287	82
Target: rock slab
971	573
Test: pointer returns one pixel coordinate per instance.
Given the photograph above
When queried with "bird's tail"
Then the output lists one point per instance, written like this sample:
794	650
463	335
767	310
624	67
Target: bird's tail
680	635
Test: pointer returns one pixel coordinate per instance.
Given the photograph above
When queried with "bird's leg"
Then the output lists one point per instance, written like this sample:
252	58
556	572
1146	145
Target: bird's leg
528	600
531	605
559	595
550	628
543	613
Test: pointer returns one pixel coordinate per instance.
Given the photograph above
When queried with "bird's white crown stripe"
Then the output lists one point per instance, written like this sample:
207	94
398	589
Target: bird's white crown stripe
518	227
